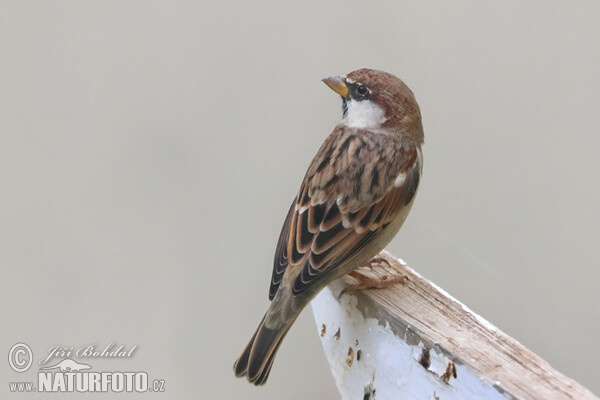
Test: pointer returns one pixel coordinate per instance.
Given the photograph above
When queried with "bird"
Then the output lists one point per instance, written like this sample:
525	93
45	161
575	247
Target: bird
355	196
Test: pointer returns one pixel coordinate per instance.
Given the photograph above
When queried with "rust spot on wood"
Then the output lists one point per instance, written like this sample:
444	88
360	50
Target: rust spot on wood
350	357
323	330
450	372
425	358
358	355
337	334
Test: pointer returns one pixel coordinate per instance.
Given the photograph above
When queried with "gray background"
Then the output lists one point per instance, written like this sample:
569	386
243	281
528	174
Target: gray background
149	152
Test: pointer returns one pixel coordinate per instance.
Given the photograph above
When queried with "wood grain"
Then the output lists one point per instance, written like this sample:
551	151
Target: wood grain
419	311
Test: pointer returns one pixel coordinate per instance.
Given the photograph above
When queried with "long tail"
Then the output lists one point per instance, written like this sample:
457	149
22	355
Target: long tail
257	358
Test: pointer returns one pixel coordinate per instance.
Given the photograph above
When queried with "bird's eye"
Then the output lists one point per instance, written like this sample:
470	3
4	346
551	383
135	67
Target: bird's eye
362	90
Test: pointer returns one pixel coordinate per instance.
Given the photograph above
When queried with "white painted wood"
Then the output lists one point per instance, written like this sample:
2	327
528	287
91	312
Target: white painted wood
415	341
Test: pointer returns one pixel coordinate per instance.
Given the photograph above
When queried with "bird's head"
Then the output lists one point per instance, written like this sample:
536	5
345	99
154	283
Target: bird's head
377	100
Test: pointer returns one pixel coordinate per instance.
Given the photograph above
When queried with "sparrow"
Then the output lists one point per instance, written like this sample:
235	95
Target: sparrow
353	199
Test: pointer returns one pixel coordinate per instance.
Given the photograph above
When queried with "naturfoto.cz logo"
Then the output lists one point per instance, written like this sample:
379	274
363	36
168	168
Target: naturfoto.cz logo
68	375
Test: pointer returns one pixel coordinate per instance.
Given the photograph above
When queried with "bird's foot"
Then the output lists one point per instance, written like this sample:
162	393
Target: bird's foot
377	273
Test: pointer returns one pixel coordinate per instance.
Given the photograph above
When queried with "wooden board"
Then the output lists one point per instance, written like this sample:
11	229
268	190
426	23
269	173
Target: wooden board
414	340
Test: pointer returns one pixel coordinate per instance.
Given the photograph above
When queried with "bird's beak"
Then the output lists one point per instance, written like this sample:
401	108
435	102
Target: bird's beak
337	84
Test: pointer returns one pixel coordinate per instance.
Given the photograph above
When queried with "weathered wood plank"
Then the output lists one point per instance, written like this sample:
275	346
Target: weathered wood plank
415	341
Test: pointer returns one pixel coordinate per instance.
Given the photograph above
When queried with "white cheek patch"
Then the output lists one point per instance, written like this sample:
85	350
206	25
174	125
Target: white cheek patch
363	114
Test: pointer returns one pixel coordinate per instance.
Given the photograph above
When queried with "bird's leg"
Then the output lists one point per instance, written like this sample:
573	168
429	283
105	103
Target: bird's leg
377	273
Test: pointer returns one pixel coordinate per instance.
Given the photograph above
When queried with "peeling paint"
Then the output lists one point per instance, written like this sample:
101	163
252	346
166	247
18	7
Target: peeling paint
433	361
449	373
424	358
369	393
401	375
350	357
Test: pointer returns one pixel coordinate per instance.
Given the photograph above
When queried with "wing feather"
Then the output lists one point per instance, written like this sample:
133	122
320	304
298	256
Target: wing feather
340	208
281	260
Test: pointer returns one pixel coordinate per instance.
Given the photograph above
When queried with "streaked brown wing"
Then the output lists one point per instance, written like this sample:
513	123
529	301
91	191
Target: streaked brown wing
280	262
340	237
347	198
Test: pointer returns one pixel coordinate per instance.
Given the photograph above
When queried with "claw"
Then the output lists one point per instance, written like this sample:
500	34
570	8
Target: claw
377	273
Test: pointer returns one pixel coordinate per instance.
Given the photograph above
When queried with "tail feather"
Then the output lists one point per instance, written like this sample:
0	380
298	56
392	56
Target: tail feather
241	364
262	379
256	360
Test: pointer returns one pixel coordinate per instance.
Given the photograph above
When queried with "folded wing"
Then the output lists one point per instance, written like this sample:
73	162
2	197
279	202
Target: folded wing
346	200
